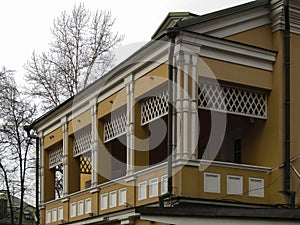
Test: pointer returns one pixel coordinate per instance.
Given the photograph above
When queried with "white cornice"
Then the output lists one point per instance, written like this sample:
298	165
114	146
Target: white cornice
154	54
233	24
229	51
277	15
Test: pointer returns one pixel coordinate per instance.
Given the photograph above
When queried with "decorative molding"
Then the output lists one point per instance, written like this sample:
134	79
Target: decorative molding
232	24
230	51
278	16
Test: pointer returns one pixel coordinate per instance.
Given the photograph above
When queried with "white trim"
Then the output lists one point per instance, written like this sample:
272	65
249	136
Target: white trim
88	205
103	201
200	162
164	184
230	51
233	24
234	185
277	15
212	185
54	215
256	187
48	216
142	190
153	187
60	213
80	208
122	196
73	209
112	199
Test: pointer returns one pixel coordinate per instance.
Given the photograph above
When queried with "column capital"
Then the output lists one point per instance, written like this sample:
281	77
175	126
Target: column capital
63	120
93	102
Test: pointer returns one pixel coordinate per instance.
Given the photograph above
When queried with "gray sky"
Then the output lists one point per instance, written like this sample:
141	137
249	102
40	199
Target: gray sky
25	25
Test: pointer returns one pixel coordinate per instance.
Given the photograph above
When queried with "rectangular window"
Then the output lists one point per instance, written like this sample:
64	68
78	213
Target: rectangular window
73	209
212	182
103	201
153	187
88	205
164	184
60	215
112	199
54	215
48	216
256	187
80	208
142	190
122	196
234	185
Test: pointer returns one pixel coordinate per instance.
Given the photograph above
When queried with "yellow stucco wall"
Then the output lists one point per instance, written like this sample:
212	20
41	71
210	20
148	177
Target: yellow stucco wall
79	122
53	137
260	37
235	73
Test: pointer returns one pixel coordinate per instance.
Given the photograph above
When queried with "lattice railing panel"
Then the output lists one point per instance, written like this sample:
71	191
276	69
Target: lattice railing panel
82	141
55	156
115	127
86	164
234	100
154	107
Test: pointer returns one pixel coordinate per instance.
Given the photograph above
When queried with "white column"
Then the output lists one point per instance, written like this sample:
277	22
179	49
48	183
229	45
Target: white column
178	107
94	150
65	156
129	83
41	168
194	111
185	106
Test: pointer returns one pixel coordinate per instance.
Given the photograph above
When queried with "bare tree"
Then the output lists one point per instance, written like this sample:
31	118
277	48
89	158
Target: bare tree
81	51
16	152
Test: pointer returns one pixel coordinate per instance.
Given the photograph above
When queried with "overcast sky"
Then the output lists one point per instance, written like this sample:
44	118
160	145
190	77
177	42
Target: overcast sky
25	24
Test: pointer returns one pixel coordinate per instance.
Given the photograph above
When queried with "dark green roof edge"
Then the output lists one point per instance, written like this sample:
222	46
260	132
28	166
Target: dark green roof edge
222	13
172	14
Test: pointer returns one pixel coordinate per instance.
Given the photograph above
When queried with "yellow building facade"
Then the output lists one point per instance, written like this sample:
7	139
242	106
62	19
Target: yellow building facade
105	153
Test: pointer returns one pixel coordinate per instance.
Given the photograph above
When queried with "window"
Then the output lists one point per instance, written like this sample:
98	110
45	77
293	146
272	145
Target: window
80	208
103	201
256	187
234	185
212	183
122	196
73	209
153	187
142	190
164	184
88	205
48	216
60	213
112	199
54	215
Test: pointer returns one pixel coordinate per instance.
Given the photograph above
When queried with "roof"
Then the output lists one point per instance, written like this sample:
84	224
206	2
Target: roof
171	19
179	19
222	13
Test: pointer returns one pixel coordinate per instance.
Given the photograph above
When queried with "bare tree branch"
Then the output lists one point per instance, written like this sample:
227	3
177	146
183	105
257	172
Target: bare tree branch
80	52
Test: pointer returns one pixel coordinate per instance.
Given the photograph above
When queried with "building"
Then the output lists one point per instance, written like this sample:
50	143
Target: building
5	215
233	128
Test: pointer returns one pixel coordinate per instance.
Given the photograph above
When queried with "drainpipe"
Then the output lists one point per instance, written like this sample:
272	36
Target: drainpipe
37	146
171	33
287	182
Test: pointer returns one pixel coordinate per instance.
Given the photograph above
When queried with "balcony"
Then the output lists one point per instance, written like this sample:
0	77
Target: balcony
197	179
